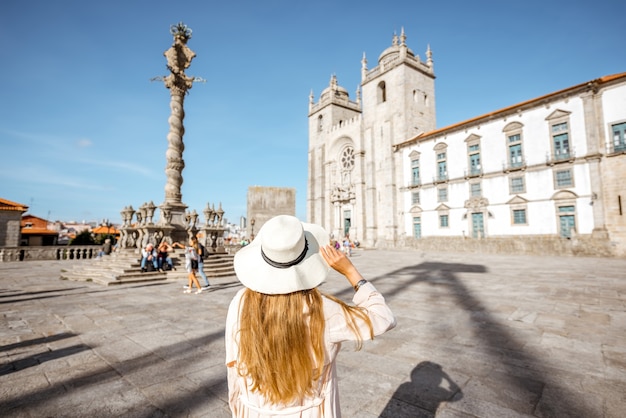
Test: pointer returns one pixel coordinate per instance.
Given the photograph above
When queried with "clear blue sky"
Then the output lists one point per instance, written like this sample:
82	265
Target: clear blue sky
83	130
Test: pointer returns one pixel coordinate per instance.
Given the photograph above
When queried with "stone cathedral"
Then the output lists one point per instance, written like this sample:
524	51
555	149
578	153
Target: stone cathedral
352	169
542	176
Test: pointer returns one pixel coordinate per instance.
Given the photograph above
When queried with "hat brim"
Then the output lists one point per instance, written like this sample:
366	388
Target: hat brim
256	274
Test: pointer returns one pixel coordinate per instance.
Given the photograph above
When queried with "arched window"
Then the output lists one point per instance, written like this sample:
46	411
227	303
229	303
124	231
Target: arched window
320	123
382	92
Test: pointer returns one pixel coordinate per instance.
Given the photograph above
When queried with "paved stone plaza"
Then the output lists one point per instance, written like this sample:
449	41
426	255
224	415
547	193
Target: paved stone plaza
477	336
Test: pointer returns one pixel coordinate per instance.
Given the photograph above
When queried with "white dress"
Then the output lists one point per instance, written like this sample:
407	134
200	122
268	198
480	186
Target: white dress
248	404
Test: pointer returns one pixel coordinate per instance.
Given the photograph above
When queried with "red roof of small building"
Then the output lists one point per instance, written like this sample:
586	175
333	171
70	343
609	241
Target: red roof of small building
9	205
103	229
38	231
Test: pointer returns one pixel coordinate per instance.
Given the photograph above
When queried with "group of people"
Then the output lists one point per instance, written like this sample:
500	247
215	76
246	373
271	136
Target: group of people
195	254
345	245
159	258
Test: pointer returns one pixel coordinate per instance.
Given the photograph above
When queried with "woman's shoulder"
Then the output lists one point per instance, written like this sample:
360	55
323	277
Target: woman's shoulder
237	296
331	306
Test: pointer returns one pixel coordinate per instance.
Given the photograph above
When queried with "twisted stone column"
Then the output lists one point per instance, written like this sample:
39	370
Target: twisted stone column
179	58
174	154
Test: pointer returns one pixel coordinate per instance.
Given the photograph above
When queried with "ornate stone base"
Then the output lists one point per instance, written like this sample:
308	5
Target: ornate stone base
174	217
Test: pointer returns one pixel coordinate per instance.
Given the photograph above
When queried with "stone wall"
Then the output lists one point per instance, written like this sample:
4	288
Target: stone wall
266	202
581	245
614	199
10	228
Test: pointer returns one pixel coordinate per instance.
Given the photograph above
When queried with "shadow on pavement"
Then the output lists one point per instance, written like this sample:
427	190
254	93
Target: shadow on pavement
421	397
103	374
520	375
13	294
39	358
37	341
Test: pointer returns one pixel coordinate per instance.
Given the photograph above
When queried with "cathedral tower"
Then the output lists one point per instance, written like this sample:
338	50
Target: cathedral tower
353	177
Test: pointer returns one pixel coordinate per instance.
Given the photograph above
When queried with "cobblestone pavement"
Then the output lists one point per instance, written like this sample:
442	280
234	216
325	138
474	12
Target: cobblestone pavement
477	336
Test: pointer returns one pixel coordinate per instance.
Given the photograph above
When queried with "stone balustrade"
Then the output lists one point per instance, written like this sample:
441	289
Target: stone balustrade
52	252
66	252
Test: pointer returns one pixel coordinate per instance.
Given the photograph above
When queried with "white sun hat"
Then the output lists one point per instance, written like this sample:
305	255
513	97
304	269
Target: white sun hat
284	257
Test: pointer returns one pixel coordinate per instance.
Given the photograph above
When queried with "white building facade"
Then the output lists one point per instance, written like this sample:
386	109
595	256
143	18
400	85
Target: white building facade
546	175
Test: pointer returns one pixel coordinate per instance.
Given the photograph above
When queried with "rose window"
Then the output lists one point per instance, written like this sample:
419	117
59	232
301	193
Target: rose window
347	158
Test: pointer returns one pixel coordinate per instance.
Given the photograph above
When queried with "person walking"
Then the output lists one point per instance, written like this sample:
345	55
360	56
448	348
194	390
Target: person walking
347	246
282	334
191	264
202	253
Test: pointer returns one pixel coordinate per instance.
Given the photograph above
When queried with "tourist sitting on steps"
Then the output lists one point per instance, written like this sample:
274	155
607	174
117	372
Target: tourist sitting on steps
149	255
107	248
163	259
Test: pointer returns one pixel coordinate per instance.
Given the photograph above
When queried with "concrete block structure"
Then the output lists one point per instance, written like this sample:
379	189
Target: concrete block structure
265	203
10	222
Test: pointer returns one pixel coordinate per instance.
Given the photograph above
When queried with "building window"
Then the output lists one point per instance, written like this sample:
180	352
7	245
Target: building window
382	92
519	217
563	178
516	185
513	138
475	190
619	137
560	140
442	194
443	221
515	151
415	172
442	169
415	198
417	227
320	123
474	159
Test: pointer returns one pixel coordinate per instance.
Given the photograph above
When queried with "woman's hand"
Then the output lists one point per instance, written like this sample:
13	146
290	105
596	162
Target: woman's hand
341	263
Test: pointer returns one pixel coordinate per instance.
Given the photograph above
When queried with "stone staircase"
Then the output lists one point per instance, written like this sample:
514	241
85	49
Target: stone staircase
123	267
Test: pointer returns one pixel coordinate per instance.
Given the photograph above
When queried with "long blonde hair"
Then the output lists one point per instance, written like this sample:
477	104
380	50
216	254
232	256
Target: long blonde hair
281	344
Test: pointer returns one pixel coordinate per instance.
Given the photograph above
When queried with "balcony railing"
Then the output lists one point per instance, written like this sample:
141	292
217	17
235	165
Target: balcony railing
514	165
441	178
415	183
560	156
473	172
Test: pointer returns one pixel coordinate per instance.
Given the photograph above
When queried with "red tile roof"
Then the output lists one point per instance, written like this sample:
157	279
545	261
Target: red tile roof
102	229
9	205
38	231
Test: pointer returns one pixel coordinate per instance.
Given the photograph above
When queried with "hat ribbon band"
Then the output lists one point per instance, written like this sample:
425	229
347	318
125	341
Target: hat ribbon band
288	264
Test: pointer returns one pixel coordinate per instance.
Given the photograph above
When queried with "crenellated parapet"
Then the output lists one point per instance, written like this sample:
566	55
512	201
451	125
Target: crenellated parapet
343	124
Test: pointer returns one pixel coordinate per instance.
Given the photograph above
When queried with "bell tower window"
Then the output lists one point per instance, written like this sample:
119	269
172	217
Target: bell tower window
382	92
